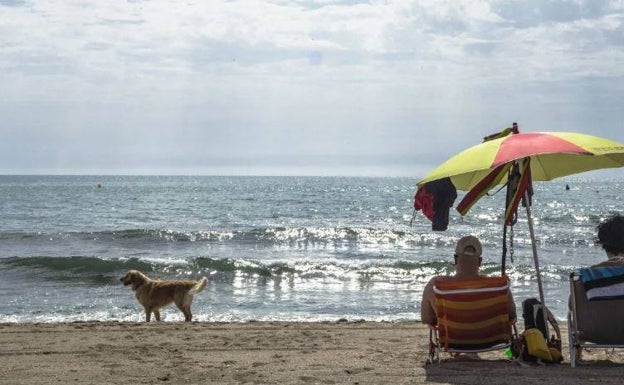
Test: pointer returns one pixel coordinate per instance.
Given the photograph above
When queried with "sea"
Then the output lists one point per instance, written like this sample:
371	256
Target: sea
273	248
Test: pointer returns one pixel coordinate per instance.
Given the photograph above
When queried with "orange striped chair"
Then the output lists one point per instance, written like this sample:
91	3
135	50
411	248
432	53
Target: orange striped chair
473	316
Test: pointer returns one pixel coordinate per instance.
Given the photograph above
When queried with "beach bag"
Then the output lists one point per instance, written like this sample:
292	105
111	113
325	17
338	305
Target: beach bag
535	343
536	346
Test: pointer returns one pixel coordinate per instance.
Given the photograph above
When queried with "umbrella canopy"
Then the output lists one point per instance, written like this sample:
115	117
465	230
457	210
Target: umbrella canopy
553	155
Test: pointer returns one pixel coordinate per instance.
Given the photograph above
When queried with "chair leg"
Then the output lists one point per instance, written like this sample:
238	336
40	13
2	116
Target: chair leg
571	342
432	351
433	347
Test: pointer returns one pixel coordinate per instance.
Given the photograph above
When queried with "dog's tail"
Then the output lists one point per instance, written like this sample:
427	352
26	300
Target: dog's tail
199	286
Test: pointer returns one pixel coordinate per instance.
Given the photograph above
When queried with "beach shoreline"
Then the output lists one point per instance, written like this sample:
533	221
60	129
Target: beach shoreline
262	353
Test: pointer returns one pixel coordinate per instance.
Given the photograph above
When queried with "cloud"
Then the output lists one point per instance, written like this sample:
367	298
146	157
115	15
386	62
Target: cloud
240	38
531	13
12	3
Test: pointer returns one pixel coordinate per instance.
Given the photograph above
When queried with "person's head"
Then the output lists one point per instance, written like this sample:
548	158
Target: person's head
468	255
610	235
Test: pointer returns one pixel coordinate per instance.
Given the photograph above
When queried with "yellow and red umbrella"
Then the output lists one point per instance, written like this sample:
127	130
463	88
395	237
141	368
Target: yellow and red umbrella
519	158
553	155
544	156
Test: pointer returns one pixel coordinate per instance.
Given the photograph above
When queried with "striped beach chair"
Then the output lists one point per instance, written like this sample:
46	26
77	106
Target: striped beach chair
472	316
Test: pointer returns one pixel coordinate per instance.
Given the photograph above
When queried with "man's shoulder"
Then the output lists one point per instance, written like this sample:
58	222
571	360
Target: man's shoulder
467	280
440	278
456	278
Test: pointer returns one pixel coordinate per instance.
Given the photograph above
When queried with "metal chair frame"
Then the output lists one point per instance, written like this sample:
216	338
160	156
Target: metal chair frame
574	330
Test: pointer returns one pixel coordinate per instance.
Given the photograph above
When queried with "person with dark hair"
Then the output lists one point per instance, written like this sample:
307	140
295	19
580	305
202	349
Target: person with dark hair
610	235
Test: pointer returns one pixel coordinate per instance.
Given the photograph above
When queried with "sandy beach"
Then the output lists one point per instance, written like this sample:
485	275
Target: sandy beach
261	353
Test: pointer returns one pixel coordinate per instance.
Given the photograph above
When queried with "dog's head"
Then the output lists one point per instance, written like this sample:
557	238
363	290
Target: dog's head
134	278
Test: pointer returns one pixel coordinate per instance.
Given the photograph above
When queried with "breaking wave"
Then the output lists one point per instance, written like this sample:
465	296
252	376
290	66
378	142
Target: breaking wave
103	270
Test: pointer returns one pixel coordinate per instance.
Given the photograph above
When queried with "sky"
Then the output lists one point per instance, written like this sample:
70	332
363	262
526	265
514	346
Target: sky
285	87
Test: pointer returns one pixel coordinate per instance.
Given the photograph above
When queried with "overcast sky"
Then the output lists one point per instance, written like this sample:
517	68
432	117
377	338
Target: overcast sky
326	87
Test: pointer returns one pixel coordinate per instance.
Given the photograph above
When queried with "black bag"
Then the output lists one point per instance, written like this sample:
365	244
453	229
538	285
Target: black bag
533	315
537	316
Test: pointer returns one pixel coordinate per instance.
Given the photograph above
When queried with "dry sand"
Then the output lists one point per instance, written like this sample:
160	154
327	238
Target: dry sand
261	353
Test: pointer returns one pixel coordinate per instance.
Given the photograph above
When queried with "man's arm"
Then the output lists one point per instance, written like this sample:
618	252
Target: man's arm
427	311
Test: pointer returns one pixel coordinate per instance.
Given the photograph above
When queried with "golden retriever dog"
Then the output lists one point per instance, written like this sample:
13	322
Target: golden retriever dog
154	294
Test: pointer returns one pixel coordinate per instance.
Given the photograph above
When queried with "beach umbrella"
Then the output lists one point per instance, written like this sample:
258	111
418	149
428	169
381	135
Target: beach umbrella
516	159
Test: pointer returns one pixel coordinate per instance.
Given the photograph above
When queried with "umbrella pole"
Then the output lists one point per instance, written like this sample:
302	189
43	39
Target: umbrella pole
504	258
535	259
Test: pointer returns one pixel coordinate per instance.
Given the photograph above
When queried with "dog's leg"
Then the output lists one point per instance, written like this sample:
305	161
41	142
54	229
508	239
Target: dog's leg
187	313
148	315
185	308
157	314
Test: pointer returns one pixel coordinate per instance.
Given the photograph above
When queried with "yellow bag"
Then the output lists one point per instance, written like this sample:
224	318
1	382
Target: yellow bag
536	344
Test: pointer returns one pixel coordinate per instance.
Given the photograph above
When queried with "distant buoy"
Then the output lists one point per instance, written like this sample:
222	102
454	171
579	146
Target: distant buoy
567	187
99	185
